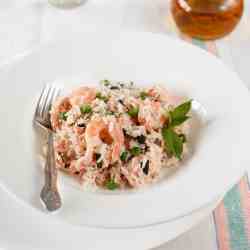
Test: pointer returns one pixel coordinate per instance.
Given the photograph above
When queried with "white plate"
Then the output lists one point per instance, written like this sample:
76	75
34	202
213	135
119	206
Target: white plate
38	232
219	159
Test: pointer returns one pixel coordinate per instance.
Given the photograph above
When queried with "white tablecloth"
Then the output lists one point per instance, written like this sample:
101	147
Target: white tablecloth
26	23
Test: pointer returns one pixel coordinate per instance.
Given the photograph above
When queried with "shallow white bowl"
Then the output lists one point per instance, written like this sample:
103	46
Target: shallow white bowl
220	154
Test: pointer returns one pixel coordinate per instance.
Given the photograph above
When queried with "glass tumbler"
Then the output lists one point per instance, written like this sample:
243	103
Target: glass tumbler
207	19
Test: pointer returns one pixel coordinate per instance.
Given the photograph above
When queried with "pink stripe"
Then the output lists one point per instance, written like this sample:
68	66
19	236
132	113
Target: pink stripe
222	227
245	203
211	47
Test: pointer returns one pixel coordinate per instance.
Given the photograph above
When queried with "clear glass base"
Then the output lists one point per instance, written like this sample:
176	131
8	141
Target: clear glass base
66	3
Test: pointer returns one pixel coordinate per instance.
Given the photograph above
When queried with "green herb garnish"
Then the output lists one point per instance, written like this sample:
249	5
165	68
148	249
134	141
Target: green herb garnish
102	97
143	95
110	113
133	112
63	116
124	155
173	142
179	114
86	109
183	138
111	184
135	151
105	82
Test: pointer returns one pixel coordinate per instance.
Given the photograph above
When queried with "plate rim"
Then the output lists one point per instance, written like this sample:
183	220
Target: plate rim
29	52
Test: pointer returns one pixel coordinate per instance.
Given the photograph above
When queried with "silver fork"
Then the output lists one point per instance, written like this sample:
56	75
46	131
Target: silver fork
49	193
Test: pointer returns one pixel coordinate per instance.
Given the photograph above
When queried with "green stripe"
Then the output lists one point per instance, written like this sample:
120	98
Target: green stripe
232	203
236	225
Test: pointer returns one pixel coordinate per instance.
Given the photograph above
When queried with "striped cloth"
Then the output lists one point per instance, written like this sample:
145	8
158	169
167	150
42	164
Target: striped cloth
232	216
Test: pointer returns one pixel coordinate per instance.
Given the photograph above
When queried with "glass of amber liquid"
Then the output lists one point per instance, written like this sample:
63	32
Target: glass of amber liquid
207	19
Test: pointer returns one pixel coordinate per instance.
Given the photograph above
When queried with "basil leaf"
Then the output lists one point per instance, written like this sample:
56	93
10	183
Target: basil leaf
183	138
173	142
179	114
182	109
175	121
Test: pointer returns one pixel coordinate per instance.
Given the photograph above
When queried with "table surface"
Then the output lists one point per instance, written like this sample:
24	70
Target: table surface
26	23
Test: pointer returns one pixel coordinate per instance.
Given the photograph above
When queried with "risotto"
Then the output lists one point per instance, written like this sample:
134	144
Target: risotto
117	135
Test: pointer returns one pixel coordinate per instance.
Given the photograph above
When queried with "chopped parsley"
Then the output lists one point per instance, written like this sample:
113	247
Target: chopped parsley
111	184
105	82
110	113
143	95
86	109
133	112
63	116
124	155
102	97
135	151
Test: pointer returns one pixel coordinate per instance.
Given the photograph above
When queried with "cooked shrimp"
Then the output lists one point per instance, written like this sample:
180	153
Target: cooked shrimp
153	156
164	96
92	137
133	172
80	144
150	115
61	145
82	96
116	132
125	121
112	104
115	139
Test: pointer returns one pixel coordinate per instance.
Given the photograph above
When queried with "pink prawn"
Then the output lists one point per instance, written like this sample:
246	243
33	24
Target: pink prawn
82	96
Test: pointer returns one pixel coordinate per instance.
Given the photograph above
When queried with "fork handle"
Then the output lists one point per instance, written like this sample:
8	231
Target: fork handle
50	166
49	194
